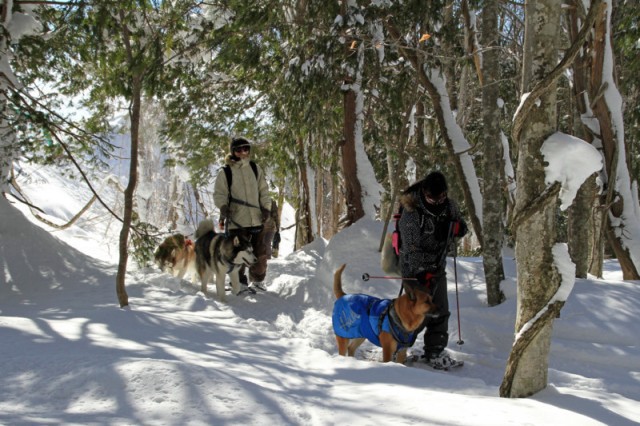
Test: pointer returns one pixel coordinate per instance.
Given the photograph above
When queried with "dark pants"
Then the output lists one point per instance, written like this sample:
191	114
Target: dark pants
436	335
261	240
262	249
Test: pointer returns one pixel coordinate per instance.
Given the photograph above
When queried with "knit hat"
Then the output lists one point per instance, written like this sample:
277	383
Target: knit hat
435	183
238	142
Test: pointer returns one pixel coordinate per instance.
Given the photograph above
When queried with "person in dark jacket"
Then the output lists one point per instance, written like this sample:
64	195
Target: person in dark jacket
246	206
430	221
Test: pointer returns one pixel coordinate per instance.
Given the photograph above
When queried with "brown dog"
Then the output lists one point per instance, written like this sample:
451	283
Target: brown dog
391	324
177	256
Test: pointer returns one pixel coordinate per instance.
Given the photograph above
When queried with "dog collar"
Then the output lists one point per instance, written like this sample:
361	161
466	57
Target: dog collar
404	337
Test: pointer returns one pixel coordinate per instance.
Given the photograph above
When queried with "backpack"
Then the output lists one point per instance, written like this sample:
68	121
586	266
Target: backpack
227	172
390	256
229	176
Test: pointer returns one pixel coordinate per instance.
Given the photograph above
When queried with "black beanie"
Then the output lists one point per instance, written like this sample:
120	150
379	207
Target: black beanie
435	183
238	142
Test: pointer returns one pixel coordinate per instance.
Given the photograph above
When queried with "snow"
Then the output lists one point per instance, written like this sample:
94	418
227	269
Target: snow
570	161
70	355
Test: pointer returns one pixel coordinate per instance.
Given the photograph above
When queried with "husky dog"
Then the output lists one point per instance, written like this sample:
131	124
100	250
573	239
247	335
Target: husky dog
177	256
217	255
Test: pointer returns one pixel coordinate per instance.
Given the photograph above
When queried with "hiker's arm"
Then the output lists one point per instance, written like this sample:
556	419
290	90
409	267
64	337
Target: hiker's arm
263	191
456	217
221	190
410	231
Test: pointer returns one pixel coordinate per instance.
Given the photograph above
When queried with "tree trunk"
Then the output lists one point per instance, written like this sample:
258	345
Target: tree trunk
174	202
598	238
396	170
304	227
580	226
135	81
134	114
353	190
581	218
622	220
535	216
493	225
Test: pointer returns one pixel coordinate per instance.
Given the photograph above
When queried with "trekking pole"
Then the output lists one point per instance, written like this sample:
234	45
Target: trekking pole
367	277
460	342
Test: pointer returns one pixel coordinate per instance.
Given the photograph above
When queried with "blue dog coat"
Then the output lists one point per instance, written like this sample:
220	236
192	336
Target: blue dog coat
360	315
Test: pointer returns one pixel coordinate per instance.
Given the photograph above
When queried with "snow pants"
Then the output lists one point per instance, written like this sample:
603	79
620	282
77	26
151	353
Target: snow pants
436	334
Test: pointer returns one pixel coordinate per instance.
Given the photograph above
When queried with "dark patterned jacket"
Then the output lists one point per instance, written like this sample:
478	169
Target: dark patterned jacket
424	230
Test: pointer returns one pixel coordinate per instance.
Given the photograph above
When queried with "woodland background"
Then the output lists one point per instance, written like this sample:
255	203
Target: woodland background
328	90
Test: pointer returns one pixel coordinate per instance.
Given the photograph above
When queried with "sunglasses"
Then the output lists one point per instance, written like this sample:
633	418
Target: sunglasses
245	148
436	200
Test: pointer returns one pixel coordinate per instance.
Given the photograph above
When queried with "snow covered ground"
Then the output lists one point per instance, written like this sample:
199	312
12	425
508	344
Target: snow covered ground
70	355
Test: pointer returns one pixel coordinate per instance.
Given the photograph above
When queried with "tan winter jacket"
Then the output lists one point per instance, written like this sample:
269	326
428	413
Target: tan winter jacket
244	187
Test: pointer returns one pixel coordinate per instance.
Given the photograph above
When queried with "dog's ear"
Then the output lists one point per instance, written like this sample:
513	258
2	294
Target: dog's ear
236	241
408	288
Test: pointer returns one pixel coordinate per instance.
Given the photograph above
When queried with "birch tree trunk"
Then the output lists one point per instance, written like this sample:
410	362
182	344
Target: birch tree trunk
493	225
535	218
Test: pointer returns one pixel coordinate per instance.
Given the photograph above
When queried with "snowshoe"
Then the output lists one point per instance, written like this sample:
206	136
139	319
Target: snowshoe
246	290
442	361
259	286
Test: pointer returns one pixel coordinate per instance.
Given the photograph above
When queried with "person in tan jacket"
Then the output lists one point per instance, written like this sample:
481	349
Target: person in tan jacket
242	195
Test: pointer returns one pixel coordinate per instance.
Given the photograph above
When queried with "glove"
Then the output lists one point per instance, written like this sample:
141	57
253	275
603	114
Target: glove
459	229
265	214
455	226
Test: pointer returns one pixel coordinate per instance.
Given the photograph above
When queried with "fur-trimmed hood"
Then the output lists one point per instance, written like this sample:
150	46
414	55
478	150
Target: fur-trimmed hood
409	200
232	160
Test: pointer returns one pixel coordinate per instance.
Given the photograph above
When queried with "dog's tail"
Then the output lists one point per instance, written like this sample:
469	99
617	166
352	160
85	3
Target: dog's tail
204	227
337	282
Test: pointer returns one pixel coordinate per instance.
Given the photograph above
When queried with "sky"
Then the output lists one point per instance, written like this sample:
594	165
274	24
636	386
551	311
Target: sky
69	355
